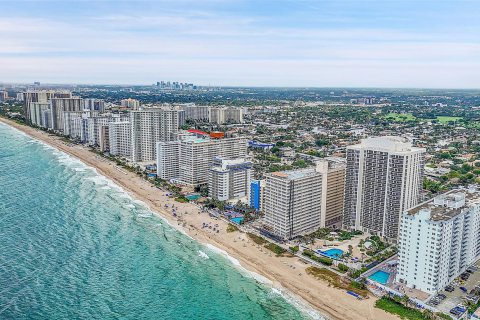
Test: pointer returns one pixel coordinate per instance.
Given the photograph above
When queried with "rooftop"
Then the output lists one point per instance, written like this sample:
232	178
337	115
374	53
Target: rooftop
295	174
386	143
448	205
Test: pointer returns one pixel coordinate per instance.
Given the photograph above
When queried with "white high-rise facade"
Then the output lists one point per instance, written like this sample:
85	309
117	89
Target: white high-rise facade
229	179
40	114
94	105
94	125
194	157
195	113
119	135
167	159
438	240
73	127
60	106
383	178
150	126
130	103
222	115
292	202
41	96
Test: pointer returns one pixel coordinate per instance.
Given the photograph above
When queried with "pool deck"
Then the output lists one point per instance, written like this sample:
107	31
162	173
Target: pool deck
399	287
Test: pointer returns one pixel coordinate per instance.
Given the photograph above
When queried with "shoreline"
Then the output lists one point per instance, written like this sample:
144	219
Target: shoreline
286	275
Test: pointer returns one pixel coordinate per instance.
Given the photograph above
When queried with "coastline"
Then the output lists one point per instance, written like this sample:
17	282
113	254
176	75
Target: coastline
294	282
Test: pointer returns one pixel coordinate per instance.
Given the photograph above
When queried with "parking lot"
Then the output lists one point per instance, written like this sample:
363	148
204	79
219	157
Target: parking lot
458	296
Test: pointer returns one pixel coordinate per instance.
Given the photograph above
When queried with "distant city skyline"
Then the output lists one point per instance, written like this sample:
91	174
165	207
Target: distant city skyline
383	44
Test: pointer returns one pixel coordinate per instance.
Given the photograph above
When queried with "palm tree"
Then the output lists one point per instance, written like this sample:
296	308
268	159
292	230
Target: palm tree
429	314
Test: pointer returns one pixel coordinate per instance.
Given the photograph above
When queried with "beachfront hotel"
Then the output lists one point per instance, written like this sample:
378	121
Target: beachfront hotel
167	159
149	126
59	106
40	96
188	160
40	114
76	123
333	191
439	239
119	138
293	202
383	178
228	179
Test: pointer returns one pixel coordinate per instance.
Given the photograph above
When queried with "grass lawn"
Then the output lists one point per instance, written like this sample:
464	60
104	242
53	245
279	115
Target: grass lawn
275	249
335	280
398	309
257	239
445	119
400	117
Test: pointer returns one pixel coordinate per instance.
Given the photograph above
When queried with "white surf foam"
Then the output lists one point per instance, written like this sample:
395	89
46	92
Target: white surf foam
203	255
292	299
100	179
298	303
236	263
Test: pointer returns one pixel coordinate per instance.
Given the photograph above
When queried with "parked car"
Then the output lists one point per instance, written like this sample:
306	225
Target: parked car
455	312
441	296
464	289
449	288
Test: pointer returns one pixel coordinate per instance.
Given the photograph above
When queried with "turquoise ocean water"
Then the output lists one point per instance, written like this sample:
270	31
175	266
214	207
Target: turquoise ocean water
75	246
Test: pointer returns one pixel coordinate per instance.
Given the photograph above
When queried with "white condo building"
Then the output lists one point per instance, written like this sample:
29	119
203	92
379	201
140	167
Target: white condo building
150	126
60	106
167	159
119	135
40	114
194	112
130	103
438	240
94	125
383	178
41	96
194	157
222	115
94	105
229	179
76	124
292	202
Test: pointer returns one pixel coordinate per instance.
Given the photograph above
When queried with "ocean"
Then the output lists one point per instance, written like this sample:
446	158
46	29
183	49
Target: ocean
73	245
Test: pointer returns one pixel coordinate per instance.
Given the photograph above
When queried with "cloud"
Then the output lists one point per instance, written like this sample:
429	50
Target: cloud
233	47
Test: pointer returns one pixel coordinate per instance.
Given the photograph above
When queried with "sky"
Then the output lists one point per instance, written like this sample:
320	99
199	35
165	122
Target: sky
291	43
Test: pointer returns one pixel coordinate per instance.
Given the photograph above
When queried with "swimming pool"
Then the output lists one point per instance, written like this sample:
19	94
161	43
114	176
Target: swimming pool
193	196
236	220
332	253
380	276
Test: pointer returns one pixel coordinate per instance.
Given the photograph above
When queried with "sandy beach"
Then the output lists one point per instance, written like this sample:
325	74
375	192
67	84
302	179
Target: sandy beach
331	302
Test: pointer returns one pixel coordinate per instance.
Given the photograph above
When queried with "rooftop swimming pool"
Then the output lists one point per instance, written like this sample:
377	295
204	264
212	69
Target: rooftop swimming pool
332	253
380	276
